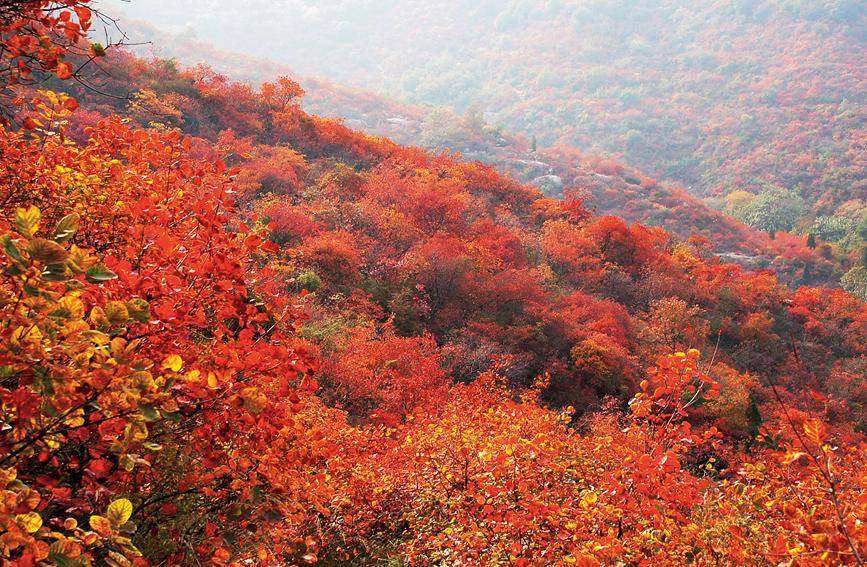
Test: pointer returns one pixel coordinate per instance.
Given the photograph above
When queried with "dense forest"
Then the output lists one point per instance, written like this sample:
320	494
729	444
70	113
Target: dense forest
235	332
766	218
720	97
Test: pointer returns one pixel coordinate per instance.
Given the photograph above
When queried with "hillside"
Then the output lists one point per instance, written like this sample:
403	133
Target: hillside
608	187
236	333
732	99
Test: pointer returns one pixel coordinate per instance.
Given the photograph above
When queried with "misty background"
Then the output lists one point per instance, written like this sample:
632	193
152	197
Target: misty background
753	105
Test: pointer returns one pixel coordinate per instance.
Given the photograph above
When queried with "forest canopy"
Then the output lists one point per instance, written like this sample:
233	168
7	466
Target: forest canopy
235	332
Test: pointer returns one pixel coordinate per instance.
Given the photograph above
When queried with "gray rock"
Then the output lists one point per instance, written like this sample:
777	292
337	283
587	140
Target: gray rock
550	185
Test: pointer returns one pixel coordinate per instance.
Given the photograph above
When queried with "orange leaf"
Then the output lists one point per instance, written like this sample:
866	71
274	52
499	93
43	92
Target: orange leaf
815	431
64	70
221	556
100	525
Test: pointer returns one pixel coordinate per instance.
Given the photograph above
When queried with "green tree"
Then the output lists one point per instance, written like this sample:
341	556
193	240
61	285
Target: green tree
832	228
855	282
774	210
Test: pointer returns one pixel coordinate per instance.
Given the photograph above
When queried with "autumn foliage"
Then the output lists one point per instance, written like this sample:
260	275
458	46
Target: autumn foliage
255	336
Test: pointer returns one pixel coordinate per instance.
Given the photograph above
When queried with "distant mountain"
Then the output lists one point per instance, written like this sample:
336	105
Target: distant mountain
607	185
730	98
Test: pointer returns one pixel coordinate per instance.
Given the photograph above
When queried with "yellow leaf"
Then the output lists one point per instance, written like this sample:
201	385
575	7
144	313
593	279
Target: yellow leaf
29	522
116	312
75	419
27	220
79	260
47	251
65	548
26	334
139	310
173	362
73	306
98	339
117	347
136	432
119	512
143	380
67	227
7	476
589	499
100	525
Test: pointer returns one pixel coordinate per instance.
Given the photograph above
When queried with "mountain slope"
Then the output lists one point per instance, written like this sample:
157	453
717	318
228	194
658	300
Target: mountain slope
234	332
607	186
722	97
422	271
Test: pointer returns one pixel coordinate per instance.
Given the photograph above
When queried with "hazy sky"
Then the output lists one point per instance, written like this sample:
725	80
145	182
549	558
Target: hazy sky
294	32
248	26
330	38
